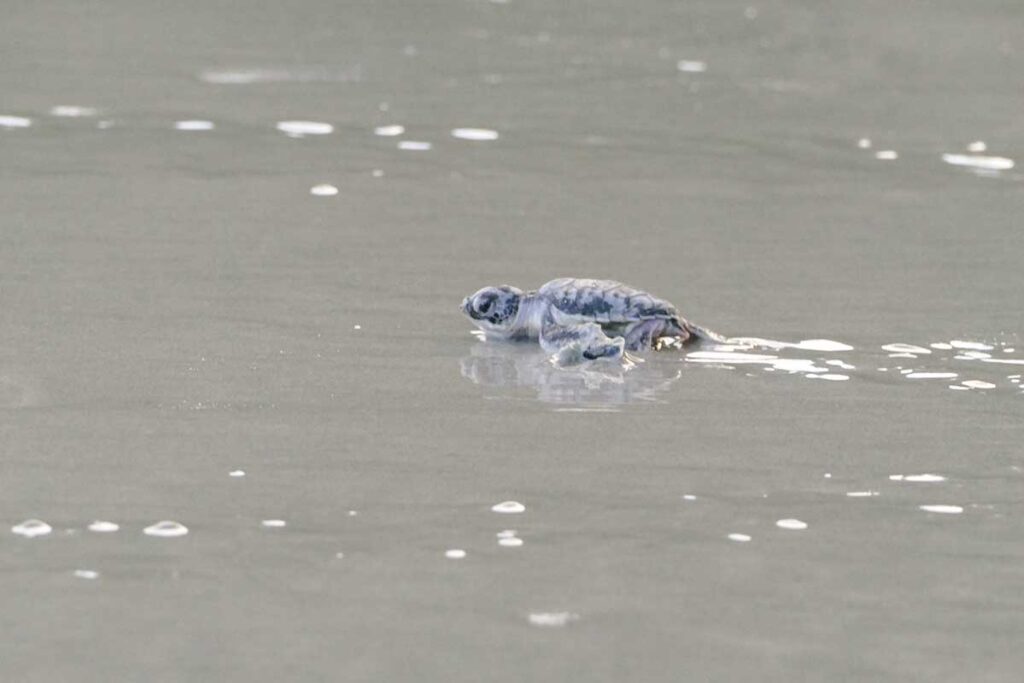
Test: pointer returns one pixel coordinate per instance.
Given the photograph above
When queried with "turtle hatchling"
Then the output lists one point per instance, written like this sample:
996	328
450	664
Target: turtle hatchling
581	319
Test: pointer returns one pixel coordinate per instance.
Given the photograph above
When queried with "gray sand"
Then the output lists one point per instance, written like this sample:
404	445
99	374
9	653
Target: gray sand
176	305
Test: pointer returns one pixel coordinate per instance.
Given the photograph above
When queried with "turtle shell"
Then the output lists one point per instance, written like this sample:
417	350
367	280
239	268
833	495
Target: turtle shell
576	300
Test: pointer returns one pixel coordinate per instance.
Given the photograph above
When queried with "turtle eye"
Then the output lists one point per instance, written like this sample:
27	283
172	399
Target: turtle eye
485	306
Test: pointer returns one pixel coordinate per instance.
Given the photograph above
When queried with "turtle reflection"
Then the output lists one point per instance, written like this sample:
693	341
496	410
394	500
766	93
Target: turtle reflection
606	383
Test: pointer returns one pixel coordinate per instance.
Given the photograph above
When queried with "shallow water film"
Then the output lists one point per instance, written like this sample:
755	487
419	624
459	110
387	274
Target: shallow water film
249	436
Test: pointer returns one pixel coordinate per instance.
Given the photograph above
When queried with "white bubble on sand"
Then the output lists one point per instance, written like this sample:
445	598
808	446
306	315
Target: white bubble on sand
864	143
102	527
194	125
306	74
791	524
984	163
414	146
905	348
72	111
692	66
510	542
970	345
739	538
481	134
31	528
509	507
236	473
978	384
689	496
389	131
323	190
166	529
821	345
931	375
300	128
86	574
552	619
917	478
943	509
977	146
274	523
924	478
728	358
1004	361
14	121
455	554
887	155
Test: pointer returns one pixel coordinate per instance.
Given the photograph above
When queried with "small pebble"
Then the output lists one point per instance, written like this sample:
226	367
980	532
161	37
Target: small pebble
72	111
414	146
388	131
739	538
300	128
478	134
193	125
274	523
86	574
509	507
692	66
14	122
323	190
102	527
455	554
791	524
31	528
552	619
943	509
166	529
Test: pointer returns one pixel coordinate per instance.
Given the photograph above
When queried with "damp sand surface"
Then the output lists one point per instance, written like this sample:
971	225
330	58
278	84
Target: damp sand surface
178	306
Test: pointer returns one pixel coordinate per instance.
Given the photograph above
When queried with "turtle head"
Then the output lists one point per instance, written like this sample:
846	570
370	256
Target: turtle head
493	309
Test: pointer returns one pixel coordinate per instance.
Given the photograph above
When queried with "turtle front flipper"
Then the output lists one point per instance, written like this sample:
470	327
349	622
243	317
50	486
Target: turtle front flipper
573	344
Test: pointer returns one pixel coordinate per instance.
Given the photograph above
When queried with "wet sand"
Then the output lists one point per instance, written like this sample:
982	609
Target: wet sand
178	307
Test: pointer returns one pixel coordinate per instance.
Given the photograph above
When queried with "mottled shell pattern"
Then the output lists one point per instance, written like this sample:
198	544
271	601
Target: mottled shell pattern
576	301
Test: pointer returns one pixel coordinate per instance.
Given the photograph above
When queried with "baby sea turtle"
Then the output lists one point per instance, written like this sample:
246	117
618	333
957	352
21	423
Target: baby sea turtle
582	319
